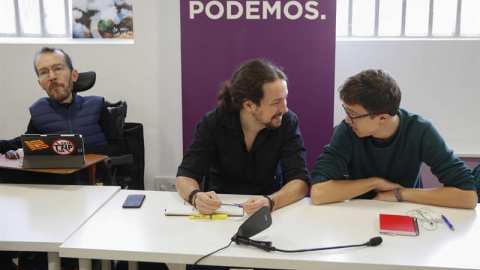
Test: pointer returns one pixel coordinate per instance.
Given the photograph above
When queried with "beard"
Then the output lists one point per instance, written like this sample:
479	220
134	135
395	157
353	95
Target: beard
270	124
59	95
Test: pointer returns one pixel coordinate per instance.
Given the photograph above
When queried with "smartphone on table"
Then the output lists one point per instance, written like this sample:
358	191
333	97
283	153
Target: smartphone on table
133	201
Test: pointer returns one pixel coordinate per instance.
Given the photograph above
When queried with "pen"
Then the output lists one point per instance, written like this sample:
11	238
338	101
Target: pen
233	204
208	217
448	223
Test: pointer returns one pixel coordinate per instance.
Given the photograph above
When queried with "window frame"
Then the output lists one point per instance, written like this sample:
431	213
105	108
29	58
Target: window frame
43	32
456	35
44	38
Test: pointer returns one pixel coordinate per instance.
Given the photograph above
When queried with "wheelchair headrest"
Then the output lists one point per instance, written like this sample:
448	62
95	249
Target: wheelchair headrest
85	81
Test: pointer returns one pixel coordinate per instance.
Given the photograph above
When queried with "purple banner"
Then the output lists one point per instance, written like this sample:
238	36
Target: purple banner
299	36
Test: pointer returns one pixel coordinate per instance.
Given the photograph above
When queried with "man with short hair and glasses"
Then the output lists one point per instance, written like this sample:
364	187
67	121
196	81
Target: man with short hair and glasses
65	112
377	151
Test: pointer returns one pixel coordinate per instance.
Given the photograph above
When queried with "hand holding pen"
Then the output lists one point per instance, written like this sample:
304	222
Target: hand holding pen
232	204
254	203
206	202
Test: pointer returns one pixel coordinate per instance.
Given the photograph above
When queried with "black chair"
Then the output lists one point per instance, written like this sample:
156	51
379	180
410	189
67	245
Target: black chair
127	170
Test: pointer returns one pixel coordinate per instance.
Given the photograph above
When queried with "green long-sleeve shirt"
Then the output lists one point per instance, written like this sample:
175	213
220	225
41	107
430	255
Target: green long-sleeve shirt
350	157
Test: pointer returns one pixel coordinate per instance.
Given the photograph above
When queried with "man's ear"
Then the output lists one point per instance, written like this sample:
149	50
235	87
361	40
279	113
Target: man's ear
248	105
74	75
384	117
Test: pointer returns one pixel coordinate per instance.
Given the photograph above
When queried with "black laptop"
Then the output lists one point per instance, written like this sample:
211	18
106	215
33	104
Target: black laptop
52	151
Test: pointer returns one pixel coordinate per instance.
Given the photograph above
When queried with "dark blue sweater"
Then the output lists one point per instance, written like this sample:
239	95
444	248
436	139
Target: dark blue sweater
82	116
350	157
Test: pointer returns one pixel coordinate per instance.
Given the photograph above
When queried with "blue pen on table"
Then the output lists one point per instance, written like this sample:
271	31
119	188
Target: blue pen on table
448	223
233	204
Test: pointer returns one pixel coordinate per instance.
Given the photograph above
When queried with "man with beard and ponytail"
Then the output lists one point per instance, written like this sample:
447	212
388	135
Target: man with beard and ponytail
249	144
65	112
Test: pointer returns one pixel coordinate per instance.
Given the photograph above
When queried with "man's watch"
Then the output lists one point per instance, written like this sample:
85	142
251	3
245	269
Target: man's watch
271	201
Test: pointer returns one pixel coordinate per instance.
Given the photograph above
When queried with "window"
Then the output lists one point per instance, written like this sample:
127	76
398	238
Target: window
32	21
390	18
34	18
355	18
408	18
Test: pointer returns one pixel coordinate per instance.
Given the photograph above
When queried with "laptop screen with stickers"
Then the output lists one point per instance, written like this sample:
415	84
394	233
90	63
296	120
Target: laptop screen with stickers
52	151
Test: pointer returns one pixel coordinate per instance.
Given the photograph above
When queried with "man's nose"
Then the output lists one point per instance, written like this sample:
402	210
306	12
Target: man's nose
284	108
51	75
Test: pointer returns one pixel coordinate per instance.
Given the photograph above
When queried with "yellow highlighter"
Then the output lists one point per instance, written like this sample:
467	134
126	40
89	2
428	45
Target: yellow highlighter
208	217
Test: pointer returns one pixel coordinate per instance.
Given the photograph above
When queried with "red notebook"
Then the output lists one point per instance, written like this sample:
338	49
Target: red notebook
398	225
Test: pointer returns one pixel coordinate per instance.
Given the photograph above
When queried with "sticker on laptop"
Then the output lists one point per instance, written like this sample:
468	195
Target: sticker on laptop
36	145
63	147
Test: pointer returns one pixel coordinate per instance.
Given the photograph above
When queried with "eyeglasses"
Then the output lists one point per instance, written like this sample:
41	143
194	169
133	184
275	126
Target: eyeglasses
358	116
44	72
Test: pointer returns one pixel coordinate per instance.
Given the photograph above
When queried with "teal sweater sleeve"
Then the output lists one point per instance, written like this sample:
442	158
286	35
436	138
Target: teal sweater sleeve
333	163
416	142
476	177
449	169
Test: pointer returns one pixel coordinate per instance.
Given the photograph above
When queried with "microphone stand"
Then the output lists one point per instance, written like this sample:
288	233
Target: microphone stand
265	245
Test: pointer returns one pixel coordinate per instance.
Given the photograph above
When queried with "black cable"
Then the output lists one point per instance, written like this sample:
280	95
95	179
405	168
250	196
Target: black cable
195	263
267	246
313	249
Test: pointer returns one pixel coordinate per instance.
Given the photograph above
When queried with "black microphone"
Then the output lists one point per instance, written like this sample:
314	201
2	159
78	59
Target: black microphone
267	246
262	219
255	224
372	242
375	241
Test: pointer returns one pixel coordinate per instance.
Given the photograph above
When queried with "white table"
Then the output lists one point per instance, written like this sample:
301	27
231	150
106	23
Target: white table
41	217
146	234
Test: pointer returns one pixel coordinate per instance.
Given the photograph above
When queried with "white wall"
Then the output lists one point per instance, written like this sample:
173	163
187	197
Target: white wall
147	75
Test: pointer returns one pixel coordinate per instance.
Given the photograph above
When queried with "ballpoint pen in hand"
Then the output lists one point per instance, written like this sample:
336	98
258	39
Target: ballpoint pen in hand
448	223
232	204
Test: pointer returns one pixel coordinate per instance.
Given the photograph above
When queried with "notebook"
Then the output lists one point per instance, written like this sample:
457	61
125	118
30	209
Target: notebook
187	210
398	225
52	151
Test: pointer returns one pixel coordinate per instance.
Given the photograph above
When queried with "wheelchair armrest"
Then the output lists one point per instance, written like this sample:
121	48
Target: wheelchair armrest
119	160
